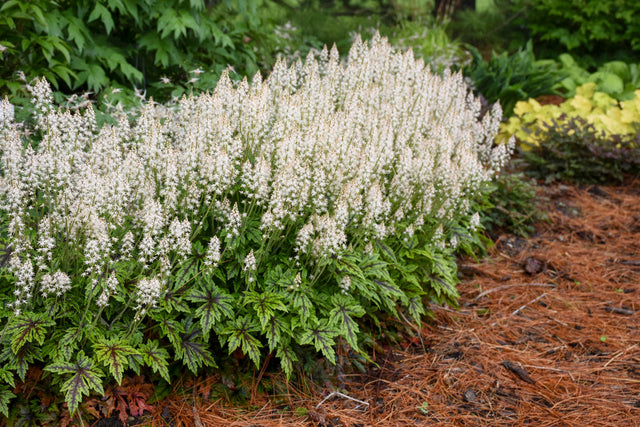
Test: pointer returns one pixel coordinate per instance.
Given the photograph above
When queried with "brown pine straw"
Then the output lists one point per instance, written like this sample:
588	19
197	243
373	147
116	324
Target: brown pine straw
570	323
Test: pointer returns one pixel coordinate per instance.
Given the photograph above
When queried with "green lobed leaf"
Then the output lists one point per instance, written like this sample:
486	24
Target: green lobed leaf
5	397
239	336
341	316
86	377
156	358
215	305
27	328
321	335
113	354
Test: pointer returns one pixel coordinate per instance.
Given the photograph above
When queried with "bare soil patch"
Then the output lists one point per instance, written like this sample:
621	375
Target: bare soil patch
547	334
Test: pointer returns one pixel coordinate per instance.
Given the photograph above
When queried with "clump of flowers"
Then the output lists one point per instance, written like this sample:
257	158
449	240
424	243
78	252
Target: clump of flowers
272	213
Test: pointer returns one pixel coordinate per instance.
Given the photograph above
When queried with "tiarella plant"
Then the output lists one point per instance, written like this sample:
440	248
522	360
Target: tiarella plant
262	217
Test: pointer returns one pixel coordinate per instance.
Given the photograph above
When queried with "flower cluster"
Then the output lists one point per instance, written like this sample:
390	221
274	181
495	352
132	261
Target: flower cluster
326	150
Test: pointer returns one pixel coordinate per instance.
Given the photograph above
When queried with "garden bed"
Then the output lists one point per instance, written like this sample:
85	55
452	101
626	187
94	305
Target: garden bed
547	333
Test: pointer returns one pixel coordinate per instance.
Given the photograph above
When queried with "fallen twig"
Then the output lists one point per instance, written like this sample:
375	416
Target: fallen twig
500	288
530	302
337	393
620	310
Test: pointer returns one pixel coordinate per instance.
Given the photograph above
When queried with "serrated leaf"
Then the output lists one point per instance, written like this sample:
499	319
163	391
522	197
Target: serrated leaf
156	358
101	12
274	331
193	351
85	378
322	337
305	308
5	397
287	357
265	305
239	335
27	328
344	309
113	354
170	329
69	342
416	309
215	305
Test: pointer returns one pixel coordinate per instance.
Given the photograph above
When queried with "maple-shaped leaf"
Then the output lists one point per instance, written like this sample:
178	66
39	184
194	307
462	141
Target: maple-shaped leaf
170	328
156	358
274	331
416	309
214	305
344	309
85	377
193	351
68	344
265	305
304	306
113	354
287	357
5	396
239	335
321	335
27	328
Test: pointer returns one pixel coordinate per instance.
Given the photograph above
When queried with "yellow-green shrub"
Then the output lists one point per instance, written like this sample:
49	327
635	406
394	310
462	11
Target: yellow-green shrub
606	114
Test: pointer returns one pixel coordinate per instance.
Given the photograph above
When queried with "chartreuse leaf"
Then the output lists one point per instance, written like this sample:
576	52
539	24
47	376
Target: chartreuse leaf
5	396
156	358
275	330
113	354
6	376
170	328
416	309
265	305
287	358
214	305
69	342
28	327
302	303
321	335
85	377
239	335
341	317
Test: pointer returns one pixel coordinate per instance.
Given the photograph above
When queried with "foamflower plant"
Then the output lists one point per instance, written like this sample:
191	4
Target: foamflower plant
263	217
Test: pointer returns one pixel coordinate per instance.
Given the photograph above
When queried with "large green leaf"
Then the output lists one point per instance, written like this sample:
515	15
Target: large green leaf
28	327
114	354
85	377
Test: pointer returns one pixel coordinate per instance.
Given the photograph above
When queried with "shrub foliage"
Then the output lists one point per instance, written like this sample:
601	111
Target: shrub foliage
263	217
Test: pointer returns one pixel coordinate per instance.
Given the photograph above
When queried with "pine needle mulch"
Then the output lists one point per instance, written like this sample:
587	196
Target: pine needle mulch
547	334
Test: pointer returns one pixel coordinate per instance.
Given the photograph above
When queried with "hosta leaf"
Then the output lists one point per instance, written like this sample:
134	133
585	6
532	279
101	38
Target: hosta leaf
85	378
239	335
322	337
215	305
156	358
27	328
5	396
113	354
341	316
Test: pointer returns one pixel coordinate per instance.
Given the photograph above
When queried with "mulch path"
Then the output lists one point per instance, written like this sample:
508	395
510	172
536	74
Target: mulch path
547	334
